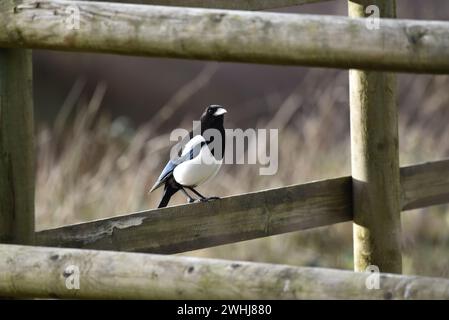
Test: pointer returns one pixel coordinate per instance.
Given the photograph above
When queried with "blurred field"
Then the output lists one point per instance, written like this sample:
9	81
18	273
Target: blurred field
91	166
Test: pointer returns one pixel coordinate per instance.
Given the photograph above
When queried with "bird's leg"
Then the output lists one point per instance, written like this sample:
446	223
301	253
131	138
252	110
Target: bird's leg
189	197
197	193
202	198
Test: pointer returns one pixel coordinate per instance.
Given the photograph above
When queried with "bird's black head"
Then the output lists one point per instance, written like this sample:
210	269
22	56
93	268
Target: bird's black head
212	117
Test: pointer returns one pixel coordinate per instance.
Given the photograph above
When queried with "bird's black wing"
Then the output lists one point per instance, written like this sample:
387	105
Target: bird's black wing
167	172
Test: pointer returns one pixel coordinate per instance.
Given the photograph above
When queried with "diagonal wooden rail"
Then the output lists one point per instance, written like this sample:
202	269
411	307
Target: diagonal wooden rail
236	218
241	36
45	272
243	217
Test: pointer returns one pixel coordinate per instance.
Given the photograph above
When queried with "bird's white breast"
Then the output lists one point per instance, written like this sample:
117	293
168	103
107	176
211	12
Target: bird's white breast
198	170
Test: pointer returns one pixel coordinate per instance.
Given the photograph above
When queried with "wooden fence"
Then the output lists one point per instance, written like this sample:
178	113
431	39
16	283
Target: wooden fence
372	197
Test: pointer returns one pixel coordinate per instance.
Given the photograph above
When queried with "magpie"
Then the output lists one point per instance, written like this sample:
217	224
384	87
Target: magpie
200	160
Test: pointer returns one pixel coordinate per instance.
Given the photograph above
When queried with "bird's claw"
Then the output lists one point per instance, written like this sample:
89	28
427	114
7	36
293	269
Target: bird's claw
202	199
209	199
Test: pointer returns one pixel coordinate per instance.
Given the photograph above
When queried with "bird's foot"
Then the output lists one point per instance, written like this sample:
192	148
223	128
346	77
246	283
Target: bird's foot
209	199
202	199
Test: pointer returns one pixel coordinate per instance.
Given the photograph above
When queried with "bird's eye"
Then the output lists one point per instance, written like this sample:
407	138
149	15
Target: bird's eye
210	110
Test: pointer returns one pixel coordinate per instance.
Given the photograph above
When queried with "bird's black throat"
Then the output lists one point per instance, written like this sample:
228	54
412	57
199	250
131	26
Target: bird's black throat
217	124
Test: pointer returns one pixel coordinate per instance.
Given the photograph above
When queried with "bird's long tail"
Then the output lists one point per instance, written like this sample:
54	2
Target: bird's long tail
168	192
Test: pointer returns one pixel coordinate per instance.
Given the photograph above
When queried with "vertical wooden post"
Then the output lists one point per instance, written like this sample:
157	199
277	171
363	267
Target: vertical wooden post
16	147
375	159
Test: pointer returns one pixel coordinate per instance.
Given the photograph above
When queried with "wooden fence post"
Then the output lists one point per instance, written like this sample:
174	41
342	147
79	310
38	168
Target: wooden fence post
375	158
16	147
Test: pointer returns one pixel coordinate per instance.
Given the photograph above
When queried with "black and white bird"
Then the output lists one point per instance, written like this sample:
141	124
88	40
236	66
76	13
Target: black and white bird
200	159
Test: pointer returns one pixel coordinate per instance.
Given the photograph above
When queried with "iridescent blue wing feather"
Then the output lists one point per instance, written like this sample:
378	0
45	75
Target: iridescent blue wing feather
167	172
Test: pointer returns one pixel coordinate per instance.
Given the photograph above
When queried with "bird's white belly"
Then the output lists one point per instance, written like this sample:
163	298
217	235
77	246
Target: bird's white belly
194	172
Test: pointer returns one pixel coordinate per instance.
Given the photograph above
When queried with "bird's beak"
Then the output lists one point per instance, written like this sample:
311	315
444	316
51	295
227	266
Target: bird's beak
220	111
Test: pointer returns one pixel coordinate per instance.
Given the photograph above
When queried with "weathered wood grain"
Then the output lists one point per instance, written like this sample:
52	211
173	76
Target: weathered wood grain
375	161
16	145
425	184
243	217
42	272
222	4
201	225
224	35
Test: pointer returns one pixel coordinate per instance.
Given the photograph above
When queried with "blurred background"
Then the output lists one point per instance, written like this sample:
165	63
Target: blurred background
103	125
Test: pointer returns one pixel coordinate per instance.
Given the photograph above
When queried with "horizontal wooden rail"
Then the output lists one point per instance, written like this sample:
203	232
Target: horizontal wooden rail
255	37
243	217
251	5
53	273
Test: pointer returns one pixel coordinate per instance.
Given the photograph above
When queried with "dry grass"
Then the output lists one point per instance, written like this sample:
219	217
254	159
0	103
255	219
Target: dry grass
90	166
